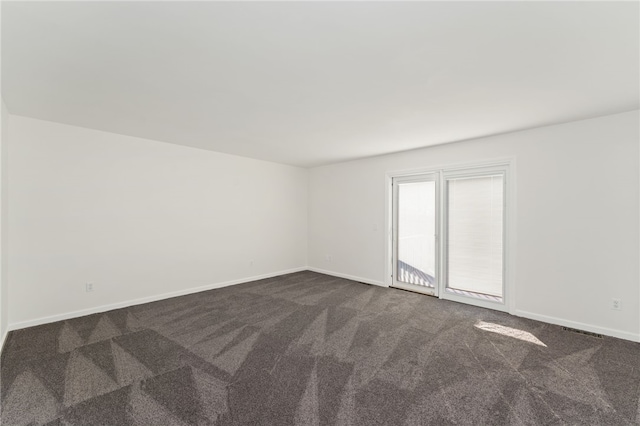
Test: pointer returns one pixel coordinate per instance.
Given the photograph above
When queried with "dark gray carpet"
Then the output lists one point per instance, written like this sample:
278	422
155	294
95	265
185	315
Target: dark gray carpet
311	349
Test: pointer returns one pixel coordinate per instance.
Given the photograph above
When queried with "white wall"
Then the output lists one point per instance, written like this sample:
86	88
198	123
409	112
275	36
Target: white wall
139	219
577	208
4	319
4	286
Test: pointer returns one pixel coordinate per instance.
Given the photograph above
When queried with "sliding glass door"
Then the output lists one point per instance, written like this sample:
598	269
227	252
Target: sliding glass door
467	208
415	225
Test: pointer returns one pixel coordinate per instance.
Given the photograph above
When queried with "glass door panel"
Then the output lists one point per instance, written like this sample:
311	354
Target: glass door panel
474	235
415	260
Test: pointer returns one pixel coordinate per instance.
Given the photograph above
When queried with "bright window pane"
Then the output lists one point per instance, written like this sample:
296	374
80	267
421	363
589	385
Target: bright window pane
475	208
416	233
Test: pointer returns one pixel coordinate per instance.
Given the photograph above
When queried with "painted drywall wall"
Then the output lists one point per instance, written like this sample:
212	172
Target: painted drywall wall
139	219
576	218
4	287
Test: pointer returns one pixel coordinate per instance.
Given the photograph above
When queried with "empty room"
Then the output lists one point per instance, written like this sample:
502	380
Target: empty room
319	213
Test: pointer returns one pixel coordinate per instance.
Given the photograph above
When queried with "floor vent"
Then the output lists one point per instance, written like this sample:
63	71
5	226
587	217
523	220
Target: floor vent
588	333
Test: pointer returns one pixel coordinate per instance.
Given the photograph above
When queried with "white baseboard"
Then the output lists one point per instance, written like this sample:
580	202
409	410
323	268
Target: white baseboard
579	326
349	277
103	308
127	303
538	317
3	339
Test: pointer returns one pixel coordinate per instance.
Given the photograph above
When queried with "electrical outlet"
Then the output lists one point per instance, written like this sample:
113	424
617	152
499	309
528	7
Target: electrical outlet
251	263
328	258
89	287
616	304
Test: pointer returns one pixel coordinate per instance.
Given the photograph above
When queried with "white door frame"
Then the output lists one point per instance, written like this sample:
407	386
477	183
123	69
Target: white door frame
396	180
509	247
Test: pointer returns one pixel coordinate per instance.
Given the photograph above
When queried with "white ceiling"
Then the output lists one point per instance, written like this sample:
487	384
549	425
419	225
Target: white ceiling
315	83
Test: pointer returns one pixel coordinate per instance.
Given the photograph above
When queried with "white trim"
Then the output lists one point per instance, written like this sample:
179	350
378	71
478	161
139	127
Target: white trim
634	337
429	291
3	339
511	246
348	277
388	222
470	300
127	303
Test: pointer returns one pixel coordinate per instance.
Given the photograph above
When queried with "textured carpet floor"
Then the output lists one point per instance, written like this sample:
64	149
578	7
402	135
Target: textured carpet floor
311	349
